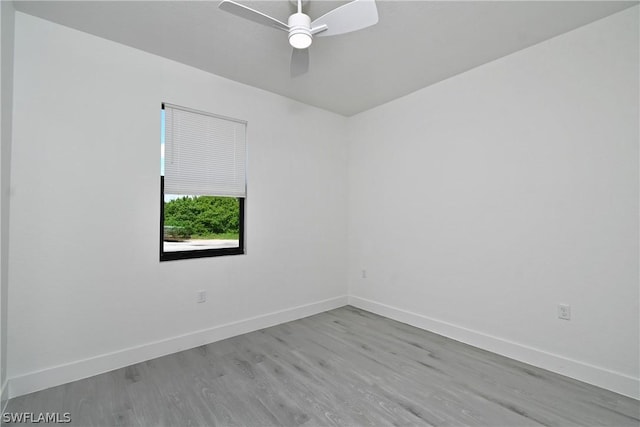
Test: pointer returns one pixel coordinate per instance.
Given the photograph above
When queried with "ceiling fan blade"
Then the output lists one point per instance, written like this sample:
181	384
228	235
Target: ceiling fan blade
352	16
252	15
299	62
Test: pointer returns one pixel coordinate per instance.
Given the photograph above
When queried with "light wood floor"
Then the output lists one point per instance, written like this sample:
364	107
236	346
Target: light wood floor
345	367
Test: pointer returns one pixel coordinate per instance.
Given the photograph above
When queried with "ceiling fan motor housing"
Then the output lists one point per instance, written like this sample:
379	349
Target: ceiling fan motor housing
300	31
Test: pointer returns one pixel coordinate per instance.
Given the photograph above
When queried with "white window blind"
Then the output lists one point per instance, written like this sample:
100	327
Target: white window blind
204	154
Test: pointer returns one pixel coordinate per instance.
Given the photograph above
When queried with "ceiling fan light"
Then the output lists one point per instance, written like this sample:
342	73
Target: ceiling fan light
300	40
300	31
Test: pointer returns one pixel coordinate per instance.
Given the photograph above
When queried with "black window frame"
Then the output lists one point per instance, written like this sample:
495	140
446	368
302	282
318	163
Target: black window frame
200	253
203	253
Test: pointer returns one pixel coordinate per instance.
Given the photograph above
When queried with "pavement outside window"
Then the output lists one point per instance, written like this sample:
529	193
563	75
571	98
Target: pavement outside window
194	245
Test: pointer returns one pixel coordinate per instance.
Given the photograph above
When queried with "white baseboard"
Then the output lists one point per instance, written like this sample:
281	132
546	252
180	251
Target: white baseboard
4	397
601	377
62	374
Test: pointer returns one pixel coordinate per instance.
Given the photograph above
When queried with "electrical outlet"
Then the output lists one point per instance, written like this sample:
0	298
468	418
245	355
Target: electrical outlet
564	311
364	274
201	296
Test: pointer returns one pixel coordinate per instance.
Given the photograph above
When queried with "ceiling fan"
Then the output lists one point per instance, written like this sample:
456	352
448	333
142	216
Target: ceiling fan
352	16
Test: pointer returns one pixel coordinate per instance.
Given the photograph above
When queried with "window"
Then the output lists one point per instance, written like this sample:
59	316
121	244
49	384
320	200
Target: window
202	184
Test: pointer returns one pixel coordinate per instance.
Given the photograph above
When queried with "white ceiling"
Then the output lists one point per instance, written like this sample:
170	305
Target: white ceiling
415	43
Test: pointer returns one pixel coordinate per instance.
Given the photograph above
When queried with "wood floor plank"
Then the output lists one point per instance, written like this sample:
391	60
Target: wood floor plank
344	367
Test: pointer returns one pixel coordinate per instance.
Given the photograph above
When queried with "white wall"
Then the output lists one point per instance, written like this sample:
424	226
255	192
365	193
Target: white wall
480	203
86	285
7	16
